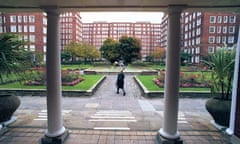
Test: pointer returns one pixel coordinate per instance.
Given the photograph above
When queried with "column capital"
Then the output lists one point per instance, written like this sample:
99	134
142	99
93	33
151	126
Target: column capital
52	10
175	8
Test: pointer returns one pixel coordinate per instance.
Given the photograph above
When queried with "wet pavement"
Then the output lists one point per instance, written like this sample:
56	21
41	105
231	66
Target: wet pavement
110	118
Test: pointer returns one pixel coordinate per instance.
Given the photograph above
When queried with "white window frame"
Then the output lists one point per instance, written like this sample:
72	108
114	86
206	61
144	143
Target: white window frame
219	29
231	39
219	19
211	29
13	19
231	29
225	19
211	39
31	28
19	19
13	28
225	29
212	19
218	39
210	49
19	28
232	19
224	39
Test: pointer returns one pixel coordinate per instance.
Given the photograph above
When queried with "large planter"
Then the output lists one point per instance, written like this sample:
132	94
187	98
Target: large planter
8	105
219	110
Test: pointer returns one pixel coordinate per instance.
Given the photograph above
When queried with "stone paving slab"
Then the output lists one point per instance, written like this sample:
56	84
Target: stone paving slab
31	135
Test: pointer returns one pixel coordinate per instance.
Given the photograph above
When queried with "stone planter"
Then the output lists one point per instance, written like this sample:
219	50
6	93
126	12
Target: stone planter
8	105
219	110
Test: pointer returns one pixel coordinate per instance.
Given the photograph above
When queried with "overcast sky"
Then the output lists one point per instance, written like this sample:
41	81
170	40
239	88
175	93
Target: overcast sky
153	17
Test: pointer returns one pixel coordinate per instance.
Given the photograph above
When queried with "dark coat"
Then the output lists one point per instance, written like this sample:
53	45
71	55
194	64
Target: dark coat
120	80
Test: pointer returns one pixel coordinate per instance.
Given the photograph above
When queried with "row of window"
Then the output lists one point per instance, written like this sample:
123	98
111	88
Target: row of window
220	29
192	33
19	19
191	16
20	28
219	39
222	19
192	42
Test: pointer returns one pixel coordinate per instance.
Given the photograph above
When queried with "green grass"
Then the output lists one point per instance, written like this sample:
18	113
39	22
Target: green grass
147	81
88	83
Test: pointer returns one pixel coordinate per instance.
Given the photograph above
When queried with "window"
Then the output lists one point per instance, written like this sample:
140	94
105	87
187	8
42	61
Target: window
224	29
212	19
13	28
19	19
31	28
218	39
219	29
211	39
198	40
13	18
32	38
230	39
197	59
32	48
44	39
31	19
44	30
231	29
1	20
25	19
219	19
232	19
198	32
210	49
1	29
225	19
212	29
224	39
19	28
198	50
25	28
198	22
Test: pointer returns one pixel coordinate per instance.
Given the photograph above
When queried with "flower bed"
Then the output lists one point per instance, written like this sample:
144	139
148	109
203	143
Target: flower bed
37	78
186	80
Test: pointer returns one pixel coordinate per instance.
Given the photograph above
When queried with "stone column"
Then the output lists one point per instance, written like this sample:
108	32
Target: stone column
55	133
169	132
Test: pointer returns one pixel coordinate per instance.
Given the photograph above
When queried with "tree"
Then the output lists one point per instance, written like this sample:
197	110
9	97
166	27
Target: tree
14	58
109	50
185	57
129	48
159	53
71	48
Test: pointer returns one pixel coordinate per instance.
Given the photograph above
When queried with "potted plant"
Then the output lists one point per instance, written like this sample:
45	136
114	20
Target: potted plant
13	60
221	65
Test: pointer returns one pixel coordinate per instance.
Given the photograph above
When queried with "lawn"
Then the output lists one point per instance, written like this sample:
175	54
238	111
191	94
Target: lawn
87	84
147	81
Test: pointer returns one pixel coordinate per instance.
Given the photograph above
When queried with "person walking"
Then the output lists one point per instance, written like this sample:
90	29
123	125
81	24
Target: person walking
120	82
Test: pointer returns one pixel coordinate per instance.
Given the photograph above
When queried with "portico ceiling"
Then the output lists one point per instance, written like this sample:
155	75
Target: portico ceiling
119	5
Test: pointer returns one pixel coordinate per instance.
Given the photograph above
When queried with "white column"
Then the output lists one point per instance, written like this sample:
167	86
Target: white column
169	129
54	86
230	130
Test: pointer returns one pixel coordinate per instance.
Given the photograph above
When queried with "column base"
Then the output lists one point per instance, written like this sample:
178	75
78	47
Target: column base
163	140
55	140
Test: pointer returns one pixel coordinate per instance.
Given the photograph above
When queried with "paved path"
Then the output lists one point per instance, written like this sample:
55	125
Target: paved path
107	117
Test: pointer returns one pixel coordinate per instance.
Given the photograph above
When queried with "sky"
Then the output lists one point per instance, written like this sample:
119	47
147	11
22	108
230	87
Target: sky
153	17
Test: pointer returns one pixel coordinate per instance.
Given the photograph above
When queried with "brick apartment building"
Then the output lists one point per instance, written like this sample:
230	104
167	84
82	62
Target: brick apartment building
149	34
71	28
31	26
33	29
202	33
